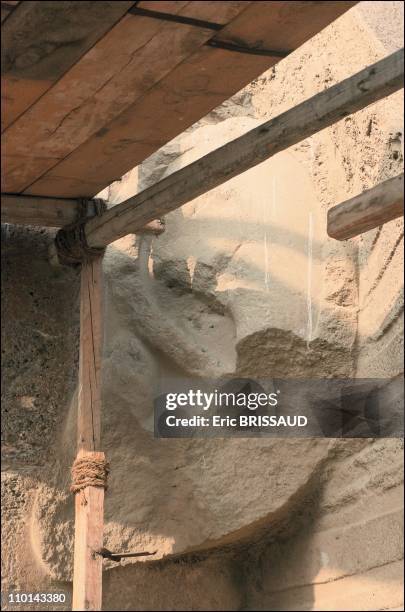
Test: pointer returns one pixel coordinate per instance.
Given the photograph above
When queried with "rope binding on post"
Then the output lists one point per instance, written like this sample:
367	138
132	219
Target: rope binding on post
89	471
70	241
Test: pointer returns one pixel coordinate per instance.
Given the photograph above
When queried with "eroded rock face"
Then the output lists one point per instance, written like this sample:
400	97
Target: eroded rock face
244	281
179	495
235	285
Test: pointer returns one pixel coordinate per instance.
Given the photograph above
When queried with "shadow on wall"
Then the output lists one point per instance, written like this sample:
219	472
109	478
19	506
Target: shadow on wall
54	509
225	578
350	555
144	314
52	310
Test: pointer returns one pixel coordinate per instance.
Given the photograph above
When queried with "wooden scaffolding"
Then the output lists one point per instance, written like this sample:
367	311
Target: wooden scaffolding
80	113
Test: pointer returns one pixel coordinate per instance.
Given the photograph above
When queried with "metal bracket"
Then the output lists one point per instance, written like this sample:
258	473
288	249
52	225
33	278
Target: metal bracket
230	46
107	554
93	207
208	25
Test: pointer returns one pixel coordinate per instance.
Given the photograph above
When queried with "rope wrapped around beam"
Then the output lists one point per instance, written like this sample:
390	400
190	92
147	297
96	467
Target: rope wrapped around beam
70	241
89	471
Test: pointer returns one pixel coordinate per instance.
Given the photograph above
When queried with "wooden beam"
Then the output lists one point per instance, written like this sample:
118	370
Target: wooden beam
89	502
34	210
371	84
369	210
91	342
54	212
88	566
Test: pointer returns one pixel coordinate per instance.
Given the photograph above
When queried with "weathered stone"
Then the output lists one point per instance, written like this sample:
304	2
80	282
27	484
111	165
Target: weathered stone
244	281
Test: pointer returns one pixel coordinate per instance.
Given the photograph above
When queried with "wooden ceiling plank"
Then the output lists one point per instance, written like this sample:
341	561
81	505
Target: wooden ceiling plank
146	128
217	12
186	94
41	40
290	26
135	55
53	118
18	169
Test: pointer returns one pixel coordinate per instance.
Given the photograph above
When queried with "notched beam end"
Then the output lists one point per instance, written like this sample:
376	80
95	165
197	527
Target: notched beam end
155	227
368	210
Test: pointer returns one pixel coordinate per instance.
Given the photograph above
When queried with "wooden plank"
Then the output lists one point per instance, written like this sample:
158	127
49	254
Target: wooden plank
315	114
208	10
7	7
41	40
89	502
32	210
18	169
281	25
130	59
369	210
188	92
88	566
153	122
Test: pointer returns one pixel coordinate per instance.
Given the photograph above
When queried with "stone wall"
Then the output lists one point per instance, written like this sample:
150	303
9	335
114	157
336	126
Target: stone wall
244	281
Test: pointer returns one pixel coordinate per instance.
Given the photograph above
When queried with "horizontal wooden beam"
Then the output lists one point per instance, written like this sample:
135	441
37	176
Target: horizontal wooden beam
34	210
54	212
371	84
369	210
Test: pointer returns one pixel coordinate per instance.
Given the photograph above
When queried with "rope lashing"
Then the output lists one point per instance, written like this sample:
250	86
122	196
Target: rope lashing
89	471
70	241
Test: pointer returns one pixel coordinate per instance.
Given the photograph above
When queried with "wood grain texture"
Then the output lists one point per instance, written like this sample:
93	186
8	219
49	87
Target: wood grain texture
31	210
158	112
7	7
54	212
281	25
89	502
41	40
300	122
366	211
90	357
129	60
88	566
209	10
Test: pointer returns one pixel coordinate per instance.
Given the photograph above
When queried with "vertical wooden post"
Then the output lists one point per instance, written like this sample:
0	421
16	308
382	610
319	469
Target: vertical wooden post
89	502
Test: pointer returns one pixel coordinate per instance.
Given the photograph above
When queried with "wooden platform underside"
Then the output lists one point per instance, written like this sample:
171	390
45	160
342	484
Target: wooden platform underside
123	79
